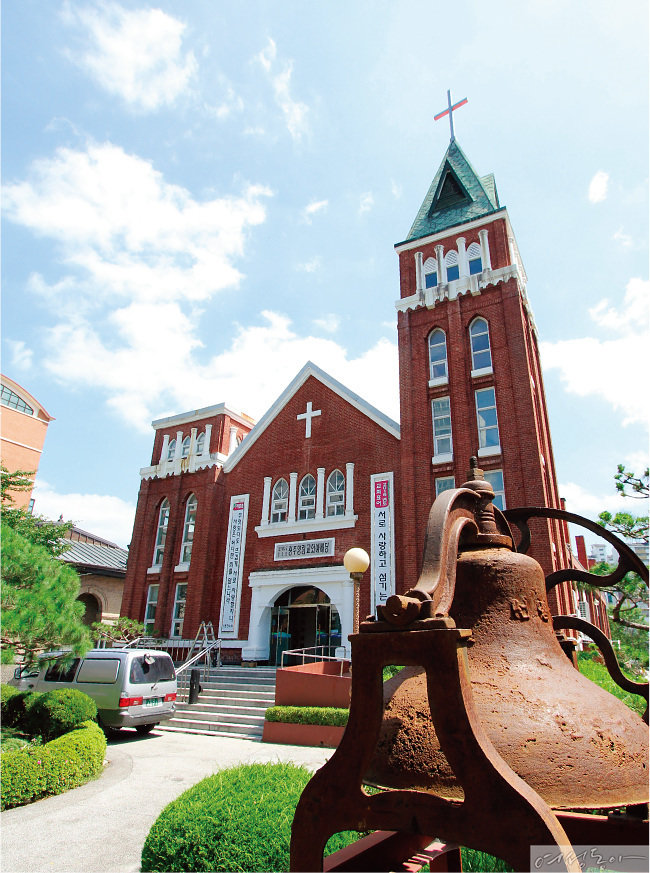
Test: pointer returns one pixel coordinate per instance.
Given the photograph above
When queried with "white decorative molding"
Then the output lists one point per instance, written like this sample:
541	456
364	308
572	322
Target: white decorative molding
284	528
182	567
443	459
155	568
307	416
439	380
482	371
489	451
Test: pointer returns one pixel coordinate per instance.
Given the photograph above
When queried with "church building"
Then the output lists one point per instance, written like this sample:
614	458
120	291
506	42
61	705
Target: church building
246	524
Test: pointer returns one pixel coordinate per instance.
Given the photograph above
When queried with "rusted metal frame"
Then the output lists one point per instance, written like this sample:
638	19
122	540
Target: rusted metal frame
397	851
572	622
500	814
628	560
605	830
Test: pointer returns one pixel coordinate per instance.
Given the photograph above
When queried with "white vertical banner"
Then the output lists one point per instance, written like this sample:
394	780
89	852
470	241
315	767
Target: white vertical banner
233	569
382	533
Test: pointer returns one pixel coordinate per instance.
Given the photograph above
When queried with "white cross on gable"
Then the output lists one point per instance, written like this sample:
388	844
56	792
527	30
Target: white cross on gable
307	416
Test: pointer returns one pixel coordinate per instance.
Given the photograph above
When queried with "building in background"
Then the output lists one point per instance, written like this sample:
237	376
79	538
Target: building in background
24	425
101	566
247	526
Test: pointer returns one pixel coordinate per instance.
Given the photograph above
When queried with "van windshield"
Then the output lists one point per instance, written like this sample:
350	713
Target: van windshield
148	668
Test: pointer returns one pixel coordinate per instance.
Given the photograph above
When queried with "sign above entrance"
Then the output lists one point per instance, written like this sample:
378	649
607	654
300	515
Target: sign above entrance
304	549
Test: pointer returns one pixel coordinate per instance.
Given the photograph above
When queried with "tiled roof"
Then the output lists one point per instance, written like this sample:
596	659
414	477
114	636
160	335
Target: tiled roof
480	196
89	555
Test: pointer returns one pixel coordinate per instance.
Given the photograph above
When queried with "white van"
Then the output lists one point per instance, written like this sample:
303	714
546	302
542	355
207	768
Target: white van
131	687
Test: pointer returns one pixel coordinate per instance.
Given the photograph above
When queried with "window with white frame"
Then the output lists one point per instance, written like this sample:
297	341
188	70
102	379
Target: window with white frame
486	418
188	529
179	610
479	337
441	414
451	266
430	273
335	494
185	451
279	501
495	478
437	355
307	499
161	533
150	609
171	450
200	443
474	258
13	401
444	483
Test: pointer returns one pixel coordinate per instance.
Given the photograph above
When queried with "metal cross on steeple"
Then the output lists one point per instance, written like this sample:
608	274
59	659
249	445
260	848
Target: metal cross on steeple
449	110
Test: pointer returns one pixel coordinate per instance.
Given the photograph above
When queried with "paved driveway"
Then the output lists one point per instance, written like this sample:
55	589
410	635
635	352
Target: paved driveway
101	827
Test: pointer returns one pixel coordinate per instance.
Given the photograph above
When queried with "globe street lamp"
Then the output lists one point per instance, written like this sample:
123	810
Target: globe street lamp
356	562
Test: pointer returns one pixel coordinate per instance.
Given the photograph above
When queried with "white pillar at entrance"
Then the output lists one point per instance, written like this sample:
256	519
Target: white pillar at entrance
165	448
485	249
320	491
349	489
266	501
293	479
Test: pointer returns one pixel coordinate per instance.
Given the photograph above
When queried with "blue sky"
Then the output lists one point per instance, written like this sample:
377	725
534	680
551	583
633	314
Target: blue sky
200	196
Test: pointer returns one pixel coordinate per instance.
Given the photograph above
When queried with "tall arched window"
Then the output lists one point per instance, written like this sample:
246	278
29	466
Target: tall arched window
171	450
200	443
437	354
307	499
480	342
186	447
451	264
335	494
279	501
474	258
161	533
430	273
188	529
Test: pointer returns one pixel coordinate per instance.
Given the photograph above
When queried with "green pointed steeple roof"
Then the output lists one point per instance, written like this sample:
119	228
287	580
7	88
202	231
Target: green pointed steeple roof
456	195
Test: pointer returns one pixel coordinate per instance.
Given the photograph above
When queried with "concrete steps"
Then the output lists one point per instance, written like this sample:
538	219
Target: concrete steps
232	703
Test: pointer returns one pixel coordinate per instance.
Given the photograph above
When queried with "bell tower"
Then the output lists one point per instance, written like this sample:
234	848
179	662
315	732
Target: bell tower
470	374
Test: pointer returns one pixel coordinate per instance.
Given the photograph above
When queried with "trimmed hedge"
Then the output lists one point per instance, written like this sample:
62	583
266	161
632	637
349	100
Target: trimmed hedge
64	763
16	709
325	715
57	712
6	693
237	820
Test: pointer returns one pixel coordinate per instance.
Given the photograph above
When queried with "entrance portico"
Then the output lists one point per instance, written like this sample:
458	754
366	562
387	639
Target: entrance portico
268	585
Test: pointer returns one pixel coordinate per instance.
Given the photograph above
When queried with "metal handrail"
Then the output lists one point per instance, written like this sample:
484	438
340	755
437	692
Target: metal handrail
315	657
183	672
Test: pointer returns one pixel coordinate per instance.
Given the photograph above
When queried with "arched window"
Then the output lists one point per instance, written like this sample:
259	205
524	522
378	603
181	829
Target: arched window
188	529
161	533
171	450
13	401
451	264
279	501
335	494
474	258
480	342
437	354
200	443
186	447
430	273
307	499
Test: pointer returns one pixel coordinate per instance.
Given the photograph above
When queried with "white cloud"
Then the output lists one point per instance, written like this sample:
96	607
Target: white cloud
590	366
590	505
279	74
329	323
101	514
396	190
312	208
598	187
310	266
623	239
366	203
134	54
21	356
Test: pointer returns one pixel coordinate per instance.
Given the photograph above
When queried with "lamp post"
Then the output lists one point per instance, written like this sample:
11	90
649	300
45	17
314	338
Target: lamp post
356	562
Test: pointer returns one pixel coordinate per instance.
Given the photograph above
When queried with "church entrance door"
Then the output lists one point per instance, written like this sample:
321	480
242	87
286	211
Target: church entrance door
303	618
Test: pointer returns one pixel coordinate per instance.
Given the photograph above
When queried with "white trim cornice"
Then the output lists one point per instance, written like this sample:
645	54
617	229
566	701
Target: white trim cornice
453	230
283	528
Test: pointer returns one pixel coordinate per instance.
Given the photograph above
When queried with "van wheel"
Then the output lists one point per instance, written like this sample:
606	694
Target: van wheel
109	732
144	729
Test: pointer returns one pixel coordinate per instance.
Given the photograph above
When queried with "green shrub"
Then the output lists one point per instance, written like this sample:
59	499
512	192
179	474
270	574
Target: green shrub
238	819
325	715
6	692
599	674
64	763
59	711
16	710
